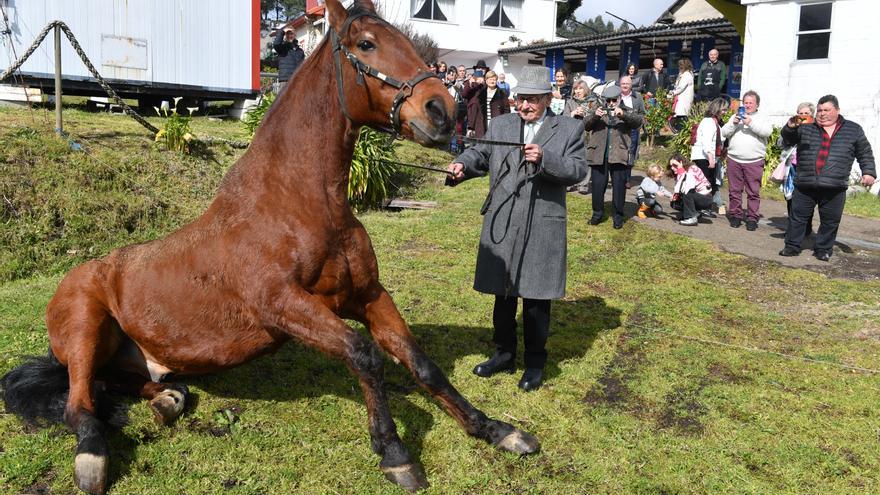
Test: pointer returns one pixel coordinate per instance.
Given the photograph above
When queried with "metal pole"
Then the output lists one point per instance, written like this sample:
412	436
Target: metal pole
59	129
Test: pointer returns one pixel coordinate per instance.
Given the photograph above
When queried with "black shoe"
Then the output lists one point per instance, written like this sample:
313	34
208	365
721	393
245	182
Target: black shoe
735	222
822	255
594	220
789	251
751	225
707	214
501	361
531	379
618	223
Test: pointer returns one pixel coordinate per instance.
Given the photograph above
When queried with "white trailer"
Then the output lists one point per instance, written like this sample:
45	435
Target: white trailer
202	49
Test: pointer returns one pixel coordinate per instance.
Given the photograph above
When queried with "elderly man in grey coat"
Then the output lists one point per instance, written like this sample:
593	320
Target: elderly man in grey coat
522	251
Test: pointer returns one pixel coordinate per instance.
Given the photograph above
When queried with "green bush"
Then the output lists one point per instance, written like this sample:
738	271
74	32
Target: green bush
371	171
657	115
255	114
771	157
175	133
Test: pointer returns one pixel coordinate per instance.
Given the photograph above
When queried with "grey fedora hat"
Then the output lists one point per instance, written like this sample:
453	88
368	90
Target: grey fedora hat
533	80
611	92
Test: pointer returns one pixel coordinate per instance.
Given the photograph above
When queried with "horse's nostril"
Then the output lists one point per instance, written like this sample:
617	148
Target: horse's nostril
437	112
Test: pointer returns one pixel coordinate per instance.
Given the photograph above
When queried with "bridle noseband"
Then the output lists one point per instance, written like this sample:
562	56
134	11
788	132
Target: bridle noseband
405	89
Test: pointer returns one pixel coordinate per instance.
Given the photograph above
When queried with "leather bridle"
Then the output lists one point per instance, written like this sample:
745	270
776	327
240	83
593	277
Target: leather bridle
405	89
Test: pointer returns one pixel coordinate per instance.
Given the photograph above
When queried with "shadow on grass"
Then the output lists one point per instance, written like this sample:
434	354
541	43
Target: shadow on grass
297	372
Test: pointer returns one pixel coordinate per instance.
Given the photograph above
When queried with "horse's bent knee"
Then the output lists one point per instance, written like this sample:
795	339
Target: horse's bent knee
365	356
429	373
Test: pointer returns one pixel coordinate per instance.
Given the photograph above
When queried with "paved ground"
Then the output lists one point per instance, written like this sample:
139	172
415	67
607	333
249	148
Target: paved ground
856	252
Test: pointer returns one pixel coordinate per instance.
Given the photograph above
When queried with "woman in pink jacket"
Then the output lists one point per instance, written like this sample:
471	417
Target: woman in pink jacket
691	187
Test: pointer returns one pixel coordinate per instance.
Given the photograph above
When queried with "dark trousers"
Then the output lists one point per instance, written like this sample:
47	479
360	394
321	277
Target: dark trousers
808	224
633	152
536	328
708	172
599	177
803	202
694	201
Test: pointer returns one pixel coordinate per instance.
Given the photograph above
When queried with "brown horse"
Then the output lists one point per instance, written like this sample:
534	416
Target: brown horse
277	255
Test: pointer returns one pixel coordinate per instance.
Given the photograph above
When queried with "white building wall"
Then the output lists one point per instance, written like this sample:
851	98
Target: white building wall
462	40
850	73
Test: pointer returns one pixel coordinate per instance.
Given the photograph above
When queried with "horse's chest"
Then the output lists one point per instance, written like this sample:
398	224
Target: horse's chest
335	281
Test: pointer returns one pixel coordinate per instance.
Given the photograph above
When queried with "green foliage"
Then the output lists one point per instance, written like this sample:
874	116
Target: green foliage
254	116
681	141
371	171
565	11
657	115
771	157
175	132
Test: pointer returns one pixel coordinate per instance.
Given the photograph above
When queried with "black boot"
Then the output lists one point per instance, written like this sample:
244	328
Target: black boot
501	361
532	379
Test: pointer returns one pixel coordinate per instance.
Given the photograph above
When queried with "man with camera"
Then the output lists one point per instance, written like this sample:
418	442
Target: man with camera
826	149
522	251
611	128
290	56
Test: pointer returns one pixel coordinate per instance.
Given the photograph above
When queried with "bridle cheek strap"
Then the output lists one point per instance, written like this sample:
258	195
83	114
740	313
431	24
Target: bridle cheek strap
405	89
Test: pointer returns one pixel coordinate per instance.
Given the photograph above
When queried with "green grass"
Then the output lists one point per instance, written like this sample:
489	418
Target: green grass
629	405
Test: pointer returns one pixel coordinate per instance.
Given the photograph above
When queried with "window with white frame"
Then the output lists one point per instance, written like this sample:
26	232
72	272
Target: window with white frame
814	31
501	13
435	10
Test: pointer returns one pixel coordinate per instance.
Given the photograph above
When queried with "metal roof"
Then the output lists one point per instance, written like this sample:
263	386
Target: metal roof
719	28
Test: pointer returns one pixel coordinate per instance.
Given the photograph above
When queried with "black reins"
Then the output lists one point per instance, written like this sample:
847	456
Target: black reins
405	89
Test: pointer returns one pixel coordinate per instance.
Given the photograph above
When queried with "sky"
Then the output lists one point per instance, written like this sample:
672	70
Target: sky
638	12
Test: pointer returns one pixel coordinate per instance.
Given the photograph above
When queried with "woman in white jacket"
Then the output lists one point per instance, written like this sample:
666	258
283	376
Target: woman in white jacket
682	93
706	150
745	160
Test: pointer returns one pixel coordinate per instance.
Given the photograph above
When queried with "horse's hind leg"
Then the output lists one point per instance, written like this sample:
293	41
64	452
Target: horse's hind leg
315	325
129	373
392	334
83	336
167	400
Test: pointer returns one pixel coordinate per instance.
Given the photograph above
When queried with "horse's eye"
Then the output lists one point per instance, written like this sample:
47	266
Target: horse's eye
365	45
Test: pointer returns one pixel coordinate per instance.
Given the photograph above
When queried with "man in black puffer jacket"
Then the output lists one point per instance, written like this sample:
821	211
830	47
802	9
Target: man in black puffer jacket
825	153
290	55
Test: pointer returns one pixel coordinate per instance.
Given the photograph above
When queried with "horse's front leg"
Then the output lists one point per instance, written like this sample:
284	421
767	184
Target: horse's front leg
306	319
392	334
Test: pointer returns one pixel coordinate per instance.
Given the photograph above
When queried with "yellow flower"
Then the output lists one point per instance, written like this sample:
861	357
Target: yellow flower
188	137
160	135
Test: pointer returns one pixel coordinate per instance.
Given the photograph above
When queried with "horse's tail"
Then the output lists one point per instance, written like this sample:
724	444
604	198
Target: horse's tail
38	388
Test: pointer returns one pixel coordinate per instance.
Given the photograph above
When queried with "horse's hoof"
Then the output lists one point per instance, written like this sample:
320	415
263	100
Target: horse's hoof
520	442
90	473
167	405
410	477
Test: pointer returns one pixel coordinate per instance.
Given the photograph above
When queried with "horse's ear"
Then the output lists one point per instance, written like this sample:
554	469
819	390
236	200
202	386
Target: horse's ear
336	13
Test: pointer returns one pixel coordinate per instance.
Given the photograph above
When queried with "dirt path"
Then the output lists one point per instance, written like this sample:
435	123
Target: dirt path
856	252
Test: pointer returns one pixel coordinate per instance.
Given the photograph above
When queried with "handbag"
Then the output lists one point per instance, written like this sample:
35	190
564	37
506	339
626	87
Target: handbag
781	171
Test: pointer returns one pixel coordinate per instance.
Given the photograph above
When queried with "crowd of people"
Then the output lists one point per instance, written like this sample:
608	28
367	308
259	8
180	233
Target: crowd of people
566	133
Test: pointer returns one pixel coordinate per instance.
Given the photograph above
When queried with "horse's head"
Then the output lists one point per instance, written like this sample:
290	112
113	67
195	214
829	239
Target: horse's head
383	82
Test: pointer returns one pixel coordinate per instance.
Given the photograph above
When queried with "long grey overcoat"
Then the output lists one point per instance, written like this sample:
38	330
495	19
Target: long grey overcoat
523	247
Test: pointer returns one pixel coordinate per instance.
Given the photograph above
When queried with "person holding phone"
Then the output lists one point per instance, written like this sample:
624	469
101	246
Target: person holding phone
826	150
748	132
